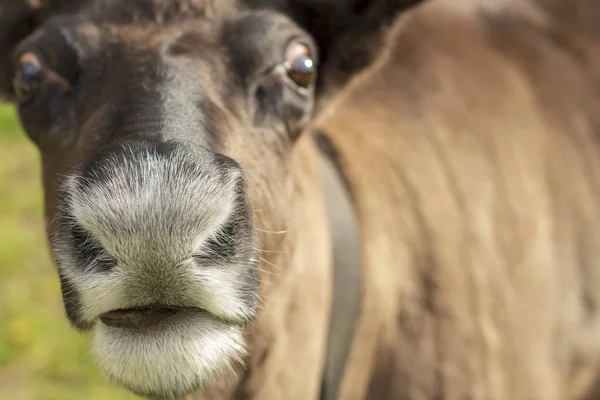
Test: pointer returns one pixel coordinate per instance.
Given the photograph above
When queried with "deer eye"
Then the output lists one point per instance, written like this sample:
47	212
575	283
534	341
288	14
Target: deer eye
28	76
299	65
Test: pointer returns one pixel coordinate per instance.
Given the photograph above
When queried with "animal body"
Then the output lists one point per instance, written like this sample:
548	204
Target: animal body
180	150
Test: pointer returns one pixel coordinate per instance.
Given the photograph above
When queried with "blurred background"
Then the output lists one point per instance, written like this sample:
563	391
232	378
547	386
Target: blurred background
41	356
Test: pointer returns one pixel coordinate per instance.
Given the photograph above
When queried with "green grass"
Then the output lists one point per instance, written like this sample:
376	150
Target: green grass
41	356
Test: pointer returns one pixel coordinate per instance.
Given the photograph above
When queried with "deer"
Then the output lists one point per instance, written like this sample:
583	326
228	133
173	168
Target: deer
303	199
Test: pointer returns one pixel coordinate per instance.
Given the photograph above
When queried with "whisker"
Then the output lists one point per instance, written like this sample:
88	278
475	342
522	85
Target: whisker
270	263
270	251
54	219
273	232
273	273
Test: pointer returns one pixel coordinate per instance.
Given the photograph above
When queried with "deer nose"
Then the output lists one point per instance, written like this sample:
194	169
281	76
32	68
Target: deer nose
154	232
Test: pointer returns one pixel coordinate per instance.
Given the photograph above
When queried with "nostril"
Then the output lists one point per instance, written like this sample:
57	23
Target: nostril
221	246
88	251
139	318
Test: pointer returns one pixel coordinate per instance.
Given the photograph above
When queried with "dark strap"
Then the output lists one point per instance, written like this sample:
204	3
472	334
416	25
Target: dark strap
347	259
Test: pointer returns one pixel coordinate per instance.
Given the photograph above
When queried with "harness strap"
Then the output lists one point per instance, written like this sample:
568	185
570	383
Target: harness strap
347	259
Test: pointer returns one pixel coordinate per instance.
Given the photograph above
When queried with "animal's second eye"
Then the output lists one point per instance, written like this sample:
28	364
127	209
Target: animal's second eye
300	65
28	75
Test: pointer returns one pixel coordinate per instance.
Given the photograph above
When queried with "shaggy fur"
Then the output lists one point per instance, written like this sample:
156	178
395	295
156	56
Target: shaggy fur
489	260
467	136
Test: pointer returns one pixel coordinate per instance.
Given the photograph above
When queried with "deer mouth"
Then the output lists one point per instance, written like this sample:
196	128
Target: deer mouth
139	318
164	351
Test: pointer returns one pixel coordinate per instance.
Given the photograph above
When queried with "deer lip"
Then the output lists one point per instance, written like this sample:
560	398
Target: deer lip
132	318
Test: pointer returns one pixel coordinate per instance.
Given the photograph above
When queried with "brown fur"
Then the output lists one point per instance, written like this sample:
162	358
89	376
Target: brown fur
471	153
476	187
